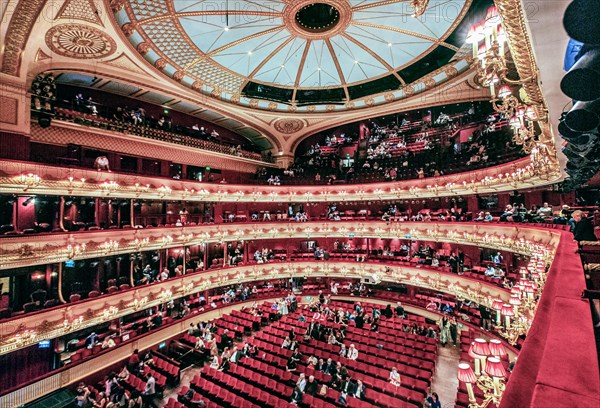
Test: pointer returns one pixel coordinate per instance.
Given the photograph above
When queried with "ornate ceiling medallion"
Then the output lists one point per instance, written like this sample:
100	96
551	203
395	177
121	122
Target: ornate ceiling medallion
317	21
288	126
79	41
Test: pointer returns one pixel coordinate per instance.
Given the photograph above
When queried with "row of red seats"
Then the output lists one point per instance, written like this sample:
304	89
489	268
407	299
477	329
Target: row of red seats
411	390
422	373
412	383
239	321
234	392
397	351
388	335
167	368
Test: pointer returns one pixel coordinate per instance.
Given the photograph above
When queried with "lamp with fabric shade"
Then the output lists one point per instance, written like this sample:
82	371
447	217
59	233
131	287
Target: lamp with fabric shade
516	302
496	348
529	291
479	359
497	306
507	312
481	351
466	375
504	92
516	290
496	370
476	358
480	347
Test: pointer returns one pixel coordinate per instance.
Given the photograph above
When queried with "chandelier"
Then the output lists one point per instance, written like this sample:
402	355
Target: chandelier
488	39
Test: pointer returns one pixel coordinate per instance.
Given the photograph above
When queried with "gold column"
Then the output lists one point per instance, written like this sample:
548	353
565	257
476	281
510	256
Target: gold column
60	272
61	213
131	214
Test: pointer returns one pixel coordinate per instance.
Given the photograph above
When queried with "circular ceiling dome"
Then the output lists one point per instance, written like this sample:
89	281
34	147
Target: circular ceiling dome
317	17
300	52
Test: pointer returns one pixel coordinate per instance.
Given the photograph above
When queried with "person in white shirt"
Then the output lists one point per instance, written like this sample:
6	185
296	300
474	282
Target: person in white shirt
301	383
235	355
352	352
214	362
395	376
149	391
545	211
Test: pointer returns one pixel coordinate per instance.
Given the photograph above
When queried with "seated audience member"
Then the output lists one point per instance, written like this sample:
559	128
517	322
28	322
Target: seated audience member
312	386
544	212
360	390
395	376
507	214
400	310
296	396
225	364
434	401
214	362
564	216
82	398
432	305
102	163
352	352
312	362
91	340
108	343
301	383
291	365
584	228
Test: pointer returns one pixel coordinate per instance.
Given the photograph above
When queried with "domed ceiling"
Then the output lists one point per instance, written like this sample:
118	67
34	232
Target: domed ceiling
291	54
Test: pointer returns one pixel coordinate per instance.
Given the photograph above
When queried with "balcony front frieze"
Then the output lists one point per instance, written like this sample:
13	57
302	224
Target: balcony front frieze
29	329
28	250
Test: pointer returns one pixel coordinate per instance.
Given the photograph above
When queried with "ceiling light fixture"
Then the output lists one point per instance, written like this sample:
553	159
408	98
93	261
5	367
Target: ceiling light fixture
489	56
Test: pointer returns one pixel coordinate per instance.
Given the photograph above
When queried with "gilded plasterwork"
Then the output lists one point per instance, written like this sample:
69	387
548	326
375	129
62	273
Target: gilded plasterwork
79	41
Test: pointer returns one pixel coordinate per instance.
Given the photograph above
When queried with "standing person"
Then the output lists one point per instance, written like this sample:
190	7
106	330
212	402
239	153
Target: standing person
453	330
444	330
486	317
149	391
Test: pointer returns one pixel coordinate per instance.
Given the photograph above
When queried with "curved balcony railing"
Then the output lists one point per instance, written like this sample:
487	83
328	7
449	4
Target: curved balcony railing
184	137
91	312
550	340
27	250
32	178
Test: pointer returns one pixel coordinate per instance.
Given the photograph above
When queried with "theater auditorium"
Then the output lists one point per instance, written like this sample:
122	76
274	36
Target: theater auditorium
299	203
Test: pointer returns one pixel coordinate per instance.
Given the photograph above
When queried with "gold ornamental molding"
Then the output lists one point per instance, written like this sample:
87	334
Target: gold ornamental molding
514	22
30	178
30	329
29	250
